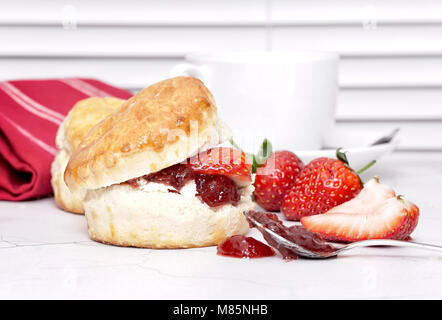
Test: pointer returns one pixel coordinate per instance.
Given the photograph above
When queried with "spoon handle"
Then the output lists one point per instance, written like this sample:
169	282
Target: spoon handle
396	243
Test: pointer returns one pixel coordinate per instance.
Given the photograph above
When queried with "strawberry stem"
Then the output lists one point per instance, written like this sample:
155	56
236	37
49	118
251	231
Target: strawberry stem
343	157
368	165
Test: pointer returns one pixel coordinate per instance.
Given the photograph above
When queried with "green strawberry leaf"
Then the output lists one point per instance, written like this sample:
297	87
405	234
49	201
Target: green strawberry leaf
342	156
257	160
264	152
252	159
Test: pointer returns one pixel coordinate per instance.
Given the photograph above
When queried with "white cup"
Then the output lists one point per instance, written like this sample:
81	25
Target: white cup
287	97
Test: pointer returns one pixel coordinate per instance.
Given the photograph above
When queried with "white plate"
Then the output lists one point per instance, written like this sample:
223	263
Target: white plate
356	144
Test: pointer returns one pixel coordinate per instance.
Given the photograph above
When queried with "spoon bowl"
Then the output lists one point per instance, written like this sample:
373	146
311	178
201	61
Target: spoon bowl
315	254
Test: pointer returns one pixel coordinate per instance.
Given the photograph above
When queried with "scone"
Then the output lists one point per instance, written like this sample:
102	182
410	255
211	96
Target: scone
83	116
150	174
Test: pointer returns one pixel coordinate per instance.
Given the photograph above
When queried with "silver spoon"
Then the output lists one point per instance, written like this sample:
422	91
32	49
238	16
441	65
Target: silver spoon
387	138
301	251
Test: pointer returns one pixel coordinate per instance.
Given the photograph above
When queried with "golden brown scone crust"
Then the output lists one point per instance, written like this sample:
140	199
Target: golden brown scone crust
83	116
64	198
161	125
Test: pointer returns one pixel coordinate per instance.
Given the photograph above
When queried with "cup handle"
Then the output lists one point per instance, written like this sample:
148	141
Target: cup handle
190	70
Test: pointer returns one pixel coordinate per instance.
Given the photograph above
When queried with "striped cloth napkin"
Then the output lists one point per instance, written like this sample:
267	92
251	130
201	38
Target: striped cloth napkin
30	114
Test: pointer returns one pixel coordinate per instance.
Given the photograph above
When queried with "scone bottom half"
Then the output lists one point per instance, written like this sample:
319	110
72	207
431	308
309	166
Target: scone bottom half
198	202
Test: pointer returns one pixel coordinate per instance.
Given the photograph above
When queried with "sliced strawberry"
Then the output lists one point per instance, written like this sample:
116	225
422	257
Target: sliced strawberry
368	200
395	218
228	162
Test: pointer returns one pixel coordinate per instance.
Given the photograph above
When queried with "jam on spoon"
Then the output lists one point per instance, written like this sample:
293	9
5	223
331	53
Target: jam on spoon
295	234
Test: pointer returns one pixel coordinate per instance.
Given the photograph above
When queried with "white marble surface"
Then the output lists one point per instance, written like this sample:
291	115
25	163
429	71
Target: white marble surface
46	254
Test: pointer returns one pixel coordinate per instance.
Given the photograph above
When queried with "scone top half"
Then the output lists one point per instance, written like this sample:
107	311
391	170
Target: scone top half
160	126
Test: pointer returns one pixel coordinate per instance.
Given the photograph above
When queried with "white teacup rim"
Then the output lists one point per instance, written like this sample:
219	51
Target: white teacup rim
262	57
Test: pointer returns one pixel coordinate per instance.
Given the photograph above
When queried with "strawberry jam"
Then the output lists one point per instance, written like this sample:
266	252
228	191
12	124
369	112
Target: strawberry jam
176	176
215	190
244	247
295	234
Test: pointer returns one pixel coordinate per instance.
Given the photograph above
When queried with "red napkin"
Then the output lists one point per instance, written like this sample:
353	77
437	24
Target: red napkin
30	114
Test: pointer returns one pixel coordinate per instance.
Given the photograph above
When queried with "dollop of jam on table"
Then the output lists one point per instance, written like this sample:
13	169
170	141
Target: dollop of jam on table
244	247
215	190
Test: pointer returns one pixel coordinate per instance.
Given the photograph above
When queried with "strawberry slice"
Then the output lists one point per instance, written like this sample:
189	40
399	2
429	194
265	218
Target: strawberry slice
368	200
228	162
395	218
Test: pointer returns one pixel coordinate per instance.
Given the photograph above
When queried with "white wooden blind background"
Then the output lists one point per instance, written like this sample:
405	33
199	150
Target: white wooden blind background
390	72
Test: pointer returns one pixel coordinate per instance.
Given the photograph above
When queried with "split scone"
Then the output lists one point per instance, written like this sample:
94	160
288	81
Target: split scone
83	116
154	179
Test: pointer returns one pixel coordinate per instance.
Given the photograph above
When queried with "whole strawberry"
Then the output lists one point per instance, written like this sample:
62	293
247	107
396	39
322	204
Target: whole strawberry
324	183
274	178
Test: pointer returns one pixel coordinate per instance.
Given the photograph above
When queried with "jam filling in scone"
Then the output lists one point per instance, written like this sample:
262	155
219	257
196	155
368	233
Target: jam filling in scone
214	190
216	176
